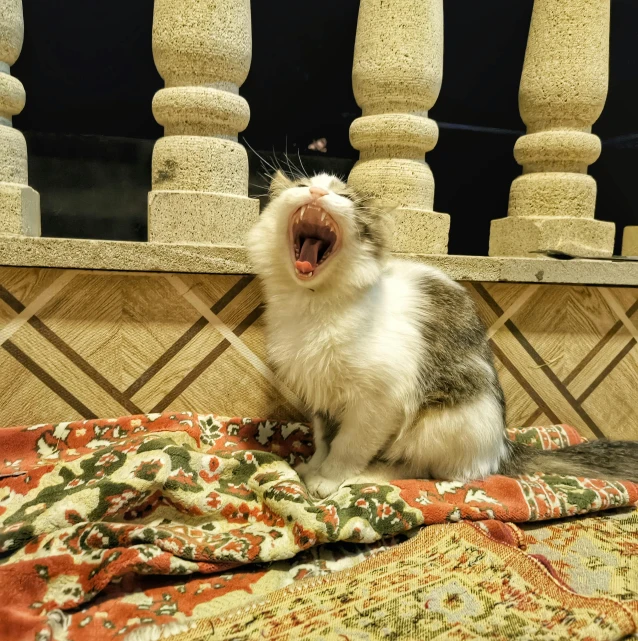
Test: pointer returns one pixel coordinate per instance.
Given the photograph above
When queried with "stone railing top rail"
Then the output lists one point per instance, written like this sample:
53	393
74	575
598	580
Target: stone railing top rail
69	253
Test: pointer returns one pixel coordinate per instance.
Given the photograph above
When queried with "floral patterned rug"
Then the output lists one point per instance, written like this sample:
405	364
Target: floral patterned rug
89	508
594	556
449	582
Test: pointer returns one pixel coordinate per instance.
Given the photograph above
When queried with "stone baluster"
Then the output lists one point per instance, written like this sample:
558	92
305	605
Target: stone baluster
562	93
397	73
19	204
202	50
630	241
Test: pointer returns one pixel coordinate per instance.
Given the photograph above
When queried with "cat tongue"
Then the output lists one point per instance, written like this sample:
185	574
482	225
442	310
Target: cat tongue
308	255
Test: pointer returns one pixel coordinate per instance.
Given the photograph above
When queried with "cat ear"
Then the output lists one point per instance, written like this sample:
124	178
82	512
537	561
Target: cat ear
279	183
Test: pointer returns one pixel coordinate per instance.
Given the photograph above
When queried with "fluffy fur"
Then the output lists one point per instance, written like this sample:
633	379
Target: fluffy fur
390	356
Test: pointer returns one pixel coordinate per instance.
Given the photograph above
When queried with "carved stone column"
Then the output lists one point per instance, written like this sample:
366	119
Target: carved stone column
630	241
202	49
397	73
19	204
562	93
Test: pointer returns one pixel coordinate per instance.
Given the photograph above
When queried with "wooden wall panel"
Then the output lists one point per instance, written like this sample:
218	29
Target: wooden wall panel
94	344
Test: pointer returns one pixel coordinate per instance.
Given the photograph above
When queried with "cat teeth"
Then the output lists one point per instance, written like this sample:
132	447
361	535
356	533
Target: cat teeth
324	219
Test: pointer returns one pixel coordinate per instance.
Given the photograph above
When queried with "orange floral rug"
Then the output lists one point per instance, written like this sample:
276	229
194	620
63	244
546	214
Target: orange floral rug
89	509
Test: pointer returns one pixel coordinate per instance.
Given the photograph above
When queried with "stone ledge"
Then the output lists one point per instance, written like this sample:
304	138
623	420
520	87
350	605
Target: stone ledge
534	270
111	255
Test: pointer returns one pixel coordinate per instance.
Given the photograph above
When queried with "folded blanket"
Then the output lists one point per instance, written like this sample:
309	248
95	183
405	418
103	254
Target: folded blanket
83	504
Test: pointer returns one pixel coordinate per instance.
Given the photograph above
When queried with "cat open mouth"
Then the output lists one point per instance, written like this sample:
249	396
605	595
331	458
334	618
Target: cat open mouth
314	239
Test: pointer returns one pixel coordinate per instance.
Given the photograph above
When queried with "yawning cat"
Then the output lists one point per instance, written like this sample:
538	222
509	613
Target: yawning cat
389	355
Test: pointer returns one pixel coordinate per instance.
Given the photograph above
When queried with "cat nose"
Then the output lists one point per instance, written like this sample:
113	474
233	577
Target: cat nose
317	192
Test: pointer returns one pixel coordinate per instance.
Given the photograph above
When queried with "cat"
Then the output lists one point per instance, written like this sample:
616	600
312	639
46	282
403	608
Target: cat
389	355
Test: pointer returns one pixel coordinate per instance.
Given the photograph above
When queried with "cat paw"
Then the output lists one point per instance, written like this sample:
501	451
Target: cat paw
320	486
304	470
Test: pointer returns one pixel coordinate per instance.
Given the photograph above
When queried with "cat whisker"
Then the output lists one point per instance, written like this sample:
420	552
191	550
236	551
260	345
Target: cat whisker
305	173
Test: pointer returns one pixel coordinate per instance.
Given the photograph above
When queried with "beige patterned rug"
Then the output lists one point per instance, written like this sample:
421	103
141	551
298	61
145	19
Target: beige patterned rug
450	582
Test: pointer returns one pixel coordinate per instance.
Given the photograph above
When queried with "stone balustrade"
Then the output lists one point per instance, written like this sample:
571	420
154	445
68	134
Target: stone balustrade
202	50
562	93
199	197
630	241
397	73
19	203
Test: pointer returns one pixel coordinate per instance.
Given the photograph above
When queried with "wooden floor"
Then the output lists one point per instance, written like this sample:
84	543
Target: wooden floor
100	344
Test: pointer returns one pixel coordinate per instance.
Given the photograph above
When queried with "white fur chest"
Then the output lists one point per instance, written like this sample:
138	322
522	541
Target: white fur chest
318	349
334	354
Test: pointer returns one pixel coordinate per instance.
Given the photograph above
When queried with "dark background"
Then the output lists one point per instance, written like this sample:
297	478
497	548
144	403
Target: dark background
89	75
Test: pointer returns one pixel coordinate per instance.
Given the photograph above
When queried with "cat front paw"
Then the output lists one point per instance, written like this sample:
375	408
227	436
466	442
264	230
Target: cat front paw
304	470
320	486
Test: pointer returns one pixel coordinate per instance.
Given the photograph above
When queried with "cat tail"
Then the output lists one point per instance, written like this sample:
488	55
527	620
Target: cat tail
603	459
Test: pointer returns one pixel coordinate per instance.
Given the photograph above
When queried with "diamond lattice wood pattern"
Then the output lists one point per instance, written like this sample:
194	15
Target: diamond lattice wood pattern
101	344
